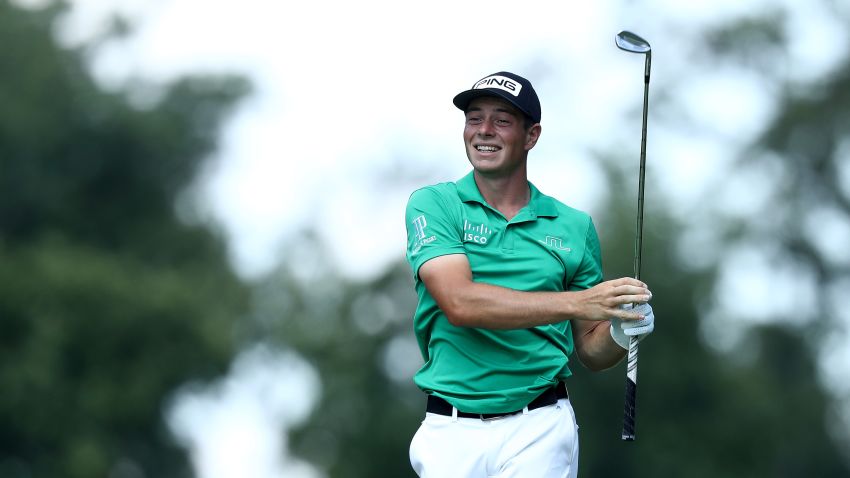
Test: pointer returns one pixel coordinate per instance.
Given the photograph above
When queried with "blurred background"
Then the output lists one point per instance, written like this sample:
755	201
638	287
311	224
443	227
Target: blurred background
202	238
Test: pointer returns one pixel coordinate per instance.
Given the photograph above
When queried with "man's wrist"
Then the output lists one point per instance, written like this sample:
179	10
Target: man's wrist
570	304
617	334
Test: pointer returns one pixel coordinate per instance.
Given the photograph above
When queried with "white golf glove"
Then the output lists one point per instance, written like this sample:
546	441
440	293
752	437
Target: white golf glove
621	330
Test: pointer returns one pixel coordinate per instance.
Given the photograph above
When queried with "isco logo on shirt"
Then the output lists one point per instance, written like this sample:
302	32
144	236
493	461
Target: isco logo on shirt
478	234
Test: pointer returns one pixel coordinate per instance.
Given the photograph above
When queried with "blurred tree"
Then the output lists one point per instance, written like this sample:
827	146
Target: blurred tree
761	407
108	302
757	411
359	337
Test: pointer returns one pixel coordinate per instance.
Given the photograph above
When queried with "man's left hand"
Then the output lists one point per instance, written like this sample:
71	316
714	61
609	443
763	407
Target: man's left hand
621	329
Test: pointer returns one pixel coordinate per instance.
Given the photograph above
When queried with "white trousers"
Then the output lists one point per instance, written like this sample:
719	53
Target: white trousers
541	443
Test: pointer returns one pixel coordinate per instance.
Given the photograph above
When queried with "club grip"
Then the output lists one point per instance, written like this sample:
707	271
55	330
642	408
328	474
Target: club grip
629	412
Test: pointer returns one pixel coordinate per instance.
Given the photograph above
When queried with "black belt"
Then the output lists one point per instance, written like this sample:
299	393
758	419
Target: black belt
549	397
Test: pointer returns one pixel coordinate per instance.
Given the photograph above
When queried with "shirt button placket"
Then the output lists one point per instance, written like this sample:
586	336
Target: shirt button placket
508	239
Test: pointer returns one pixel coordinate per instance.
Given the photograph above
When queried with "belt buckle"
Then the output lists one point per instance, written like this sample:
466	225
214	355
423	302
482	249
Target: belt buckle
490	419
495	417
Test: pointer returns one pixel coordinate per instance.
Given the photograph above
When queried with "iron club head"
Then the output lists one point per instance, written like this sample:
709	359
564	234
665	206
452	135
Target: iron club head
631	42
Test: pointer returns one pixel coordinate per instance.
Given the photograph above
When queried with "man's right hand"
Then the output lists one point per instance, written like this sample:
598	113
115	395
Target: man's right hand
605	300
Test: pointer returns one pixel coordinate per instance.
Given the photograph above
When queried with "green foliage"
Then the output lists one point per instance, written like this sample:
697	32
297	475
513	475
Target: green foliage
803	151
107	301
346	329
700	413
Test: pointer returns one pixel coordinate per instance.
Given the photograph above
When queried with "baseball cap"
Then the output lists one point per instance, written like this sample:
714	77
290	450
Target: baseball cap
508	86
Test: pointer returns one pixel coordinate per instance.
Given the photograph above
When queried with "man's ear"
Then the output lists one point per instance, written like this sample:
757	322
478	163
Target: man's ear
532	135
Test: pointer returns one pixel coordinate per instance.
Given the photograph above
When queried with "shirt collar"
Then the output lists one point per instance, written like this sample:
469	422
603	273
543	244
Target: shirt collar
539	205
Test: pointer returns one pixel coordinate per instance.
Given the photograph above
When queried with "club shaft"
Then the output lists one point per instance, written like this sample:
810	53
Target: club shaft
641	176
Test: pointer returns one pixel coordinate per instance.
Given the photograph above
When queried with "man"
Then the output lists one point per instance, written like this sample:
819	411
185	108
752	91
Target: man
509	283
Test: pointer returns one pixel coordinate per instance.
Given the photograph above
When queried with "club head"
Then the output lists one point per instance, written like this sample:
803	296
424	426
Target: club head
631	42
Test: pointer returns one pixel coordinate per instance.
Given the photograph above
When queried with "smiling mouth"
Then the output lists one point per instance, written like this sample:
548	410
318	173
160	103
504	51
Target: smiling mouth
487	149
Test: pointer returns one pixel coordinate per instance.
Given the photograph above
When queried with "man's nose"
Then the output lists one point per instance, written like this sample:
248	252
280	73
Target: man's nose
485	128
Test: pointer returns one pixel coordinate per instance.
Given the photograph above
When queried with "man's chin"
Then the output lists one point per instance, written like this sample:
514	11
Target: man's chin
484	163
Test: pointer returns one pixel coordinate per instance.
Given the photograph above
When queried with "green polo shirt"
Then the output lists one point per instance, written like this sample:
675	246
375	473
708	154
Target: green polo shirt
547	246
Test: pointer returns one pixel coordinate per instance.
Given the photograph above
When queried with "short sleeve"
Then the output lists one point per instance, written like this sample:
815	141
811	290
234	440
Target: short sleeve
589	272
434	226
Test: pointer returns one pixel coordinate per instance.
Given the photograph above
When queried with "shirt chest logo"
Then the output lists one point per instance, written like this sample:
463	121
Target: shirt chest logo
477	233
554	243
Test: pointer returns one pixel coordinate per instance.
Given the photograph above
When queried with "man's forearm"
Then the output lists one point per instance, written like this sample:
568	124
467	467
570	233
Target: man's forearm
467	303
595	348
493	307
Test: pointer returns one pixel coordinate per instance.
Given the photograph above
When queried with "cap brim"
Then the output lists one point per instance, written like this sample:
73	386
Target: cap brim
462	99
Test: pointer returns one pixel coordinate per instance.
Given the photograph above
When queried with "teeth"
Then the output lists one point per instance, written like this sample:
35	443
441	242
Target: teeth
487	148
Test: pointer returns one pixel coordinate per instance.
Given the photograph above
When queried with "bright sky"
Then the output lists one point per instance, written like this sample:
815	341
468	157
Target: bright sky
343	97
350	94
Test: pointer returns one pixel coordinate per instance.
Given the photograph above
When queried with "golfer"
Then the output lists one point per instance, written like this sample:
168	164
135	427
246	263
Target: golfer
509	283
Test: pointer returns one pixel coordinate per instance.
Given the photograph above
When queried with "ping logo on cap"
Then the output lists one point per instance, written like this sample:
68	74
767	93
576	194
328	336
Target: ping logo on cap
500	82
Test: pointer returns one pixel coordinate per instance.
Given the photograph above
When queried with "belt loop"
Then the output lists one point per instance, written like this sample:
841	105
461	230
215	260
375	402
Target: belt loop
525	410
454	414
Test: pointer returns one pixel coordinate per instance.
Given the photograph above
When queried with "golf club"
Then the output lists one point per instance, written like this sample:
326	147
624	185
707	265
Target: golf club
633	43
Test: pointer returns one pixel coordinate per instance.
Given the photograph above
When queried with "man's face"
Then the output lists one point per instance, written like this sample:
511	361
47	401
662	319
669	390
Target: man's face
497	142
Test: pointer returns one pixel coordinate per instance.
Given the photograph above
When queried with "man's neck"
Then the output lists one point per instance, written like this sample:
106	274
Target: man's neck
508	194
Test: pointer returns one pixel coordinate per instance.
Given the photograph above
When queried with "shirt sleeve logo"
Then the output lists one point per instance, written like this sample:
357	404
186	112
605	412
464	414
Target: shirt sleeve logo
419	224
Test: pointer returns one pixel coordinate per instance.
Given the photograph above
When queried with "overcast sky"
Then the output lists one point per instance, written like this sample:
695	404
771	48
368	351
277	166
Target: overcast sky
350	94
